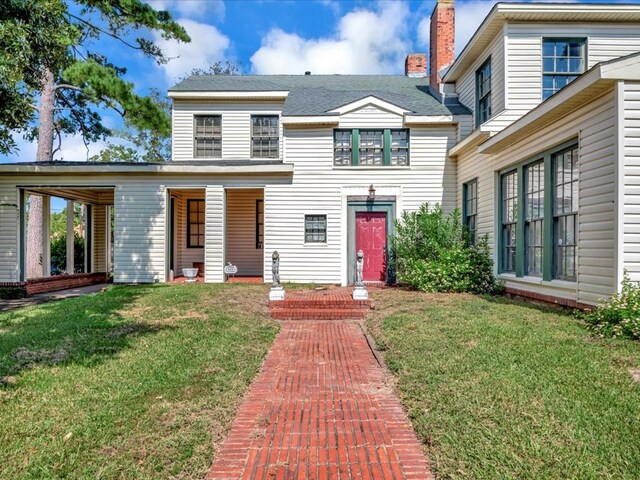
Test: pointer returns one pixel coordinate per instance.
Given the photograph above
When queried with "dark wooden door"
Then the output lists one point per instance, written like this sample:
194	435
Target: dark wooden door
371	238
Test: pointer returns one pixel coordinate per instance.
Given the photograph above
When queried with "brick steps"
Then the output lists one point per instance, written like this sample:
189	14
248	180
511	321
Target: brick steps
318	313
331	304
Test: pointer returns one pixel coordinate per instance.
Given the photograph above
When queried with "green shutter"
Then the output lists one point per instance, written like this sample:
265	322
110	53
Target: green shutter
355	146
386	143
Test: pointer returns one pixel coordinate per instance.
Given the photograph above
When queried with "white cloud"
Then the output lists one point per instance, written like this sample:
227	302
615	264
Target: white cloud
424	32
469	16
207	46
191	8
365	41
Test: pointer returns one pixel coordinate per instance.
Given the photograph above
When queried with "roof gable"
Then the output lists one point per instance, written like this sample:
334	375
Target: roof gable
370	101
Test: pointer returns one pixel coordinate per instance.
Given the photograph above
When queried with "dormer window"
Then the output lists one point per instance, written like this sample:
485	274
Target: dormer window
563	60
207	136
483	93
264	136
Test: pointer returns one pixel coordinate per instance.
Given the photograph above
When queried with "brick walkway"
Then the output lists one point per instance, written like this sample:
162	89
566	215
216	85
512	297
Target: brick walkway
320	409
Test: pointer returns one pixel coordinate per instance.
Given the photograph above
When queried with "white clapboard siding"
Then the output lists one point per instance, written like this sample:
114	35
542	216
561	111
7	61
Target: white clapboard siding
100	238
140	231
319	188
240	239
524	51
9	228
185	256
466	85
594	125
236	126
631	143
214	232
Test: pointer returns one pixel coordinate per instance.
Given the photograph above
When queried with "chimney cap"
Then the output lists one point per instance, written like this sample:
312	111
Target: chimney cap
308	72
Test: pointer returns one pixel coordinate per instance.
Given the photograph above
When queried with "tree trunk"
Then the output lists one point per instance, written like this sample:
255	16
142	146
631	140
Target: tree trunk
43	154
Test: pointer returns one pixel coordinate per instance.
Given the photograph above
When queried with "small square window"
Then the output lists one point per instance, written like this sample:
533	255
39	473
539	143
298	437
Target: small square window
315	229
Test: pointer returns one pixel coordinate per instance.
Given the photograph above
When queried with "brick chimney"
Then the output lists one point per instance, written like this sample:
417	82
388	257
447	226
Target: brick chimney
415	65
442	40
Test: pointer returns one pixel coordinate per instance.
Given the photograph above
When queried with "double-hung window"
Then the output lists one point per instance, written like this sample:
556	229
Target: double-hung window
534	218
371	147
539	216
207	136
563	60
470	199
509	220
342	147
483	93
565	213
195	223
264	136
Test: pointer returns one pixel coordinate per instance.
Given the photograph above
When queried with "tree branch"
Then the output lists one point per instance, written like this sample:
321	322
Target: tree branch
98	29
68	86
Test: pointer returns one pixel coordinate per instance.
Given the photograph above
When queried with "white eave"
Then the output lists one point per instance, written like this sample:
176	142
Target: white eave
471	141
173	168
592	84
536	12
304	121
215	95
412	119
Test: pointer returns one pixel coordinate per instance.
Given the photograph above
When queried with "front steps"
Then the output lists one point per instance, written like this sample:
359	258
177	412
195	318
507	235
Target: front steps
329	304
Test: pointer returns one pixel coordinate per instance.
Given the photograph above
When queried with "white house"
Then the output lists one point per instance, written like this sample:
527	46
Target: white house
533	131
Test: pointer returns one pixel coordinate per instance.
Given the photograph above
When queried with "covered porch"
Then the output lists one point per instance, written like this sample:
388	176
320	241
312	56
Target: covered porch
70	245
190	231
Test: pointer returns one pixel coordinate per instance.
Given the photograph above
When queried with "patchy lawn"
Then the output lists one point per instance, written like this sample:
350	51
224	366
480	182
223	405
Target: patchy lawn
498	389
136	382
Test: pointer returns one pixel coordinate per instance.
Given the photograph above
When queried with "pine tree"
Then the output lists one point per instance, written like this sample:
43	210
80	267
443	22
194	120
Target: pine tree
47	53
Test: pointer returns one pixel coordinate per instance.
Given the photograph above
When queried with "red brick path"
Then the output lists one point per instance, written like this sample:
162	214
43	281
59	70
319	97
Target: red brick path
320	409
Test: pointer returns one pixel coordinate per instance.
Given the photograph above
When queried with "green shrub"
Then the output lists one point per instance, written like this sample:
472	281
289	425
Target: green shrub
10	293
431	252
59	254
620	316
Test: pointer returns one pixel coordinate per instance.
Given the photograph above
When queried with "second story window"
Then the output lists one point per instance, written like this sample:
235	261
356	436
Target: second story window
207	136
371	147
483	93
563	60
264	136
379	147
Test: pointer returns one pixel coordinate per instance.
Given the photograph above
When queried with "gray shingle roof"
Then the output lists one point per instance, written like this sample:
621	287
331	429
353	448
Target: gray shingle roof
318	94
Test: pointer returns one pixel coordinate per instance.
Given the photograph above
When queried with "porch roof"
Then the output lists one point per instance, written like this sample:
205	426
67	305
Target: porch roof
197	167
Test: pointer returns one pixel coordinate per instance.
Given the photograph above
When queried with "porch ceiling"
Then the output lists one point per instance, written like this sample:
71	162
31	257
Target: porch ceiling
92	195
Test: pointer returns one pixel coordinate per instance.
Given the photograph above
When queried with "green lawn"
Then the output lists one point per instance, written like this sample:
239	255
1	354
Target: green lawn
498	389
136	382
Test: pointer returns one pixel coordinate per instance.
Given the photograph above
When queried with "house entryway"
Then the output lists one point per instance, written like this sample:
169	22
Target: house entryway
371	238
369	227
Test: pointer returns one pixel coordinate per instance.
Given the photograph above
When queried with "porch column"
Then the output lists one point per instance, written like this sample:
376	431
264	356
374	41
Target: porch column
214	229
70	237
46	236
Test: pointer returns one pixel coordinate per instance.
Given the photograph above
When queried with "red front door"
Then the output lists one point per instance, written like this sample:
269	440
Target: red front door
371	238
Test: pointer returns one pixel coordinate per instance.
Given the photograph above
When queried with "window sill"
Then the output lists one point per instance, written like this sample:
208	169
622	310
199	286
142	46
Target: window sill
371	167
312	245
560	284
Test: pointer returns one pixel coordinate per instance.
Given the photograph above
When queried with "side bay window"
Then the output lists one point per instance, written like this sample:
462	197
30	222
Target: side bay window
371	147
470	208
483	93
539	216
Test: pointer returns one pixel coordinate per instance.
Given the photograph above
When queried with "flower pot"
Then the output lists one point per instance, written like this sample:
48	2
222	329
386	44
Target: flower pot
190	274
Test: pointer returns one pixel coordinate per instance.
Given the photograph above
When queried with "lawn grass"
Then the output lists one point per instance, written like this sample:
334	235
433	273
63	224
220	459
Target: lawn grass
499	390
135	382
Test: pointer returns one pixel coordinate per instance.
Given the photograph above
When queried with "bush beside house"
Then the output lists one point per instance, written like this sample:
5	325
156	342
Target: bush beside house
432	252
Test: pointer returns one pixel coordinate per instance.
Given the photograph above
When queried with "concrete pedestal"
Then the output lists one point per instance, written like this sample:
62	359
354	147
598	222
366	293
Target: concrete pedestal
360	293
276	293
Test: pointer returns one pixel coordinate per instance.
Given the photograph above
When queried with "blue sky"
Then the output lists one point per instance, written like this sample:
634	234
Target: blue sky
286	36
